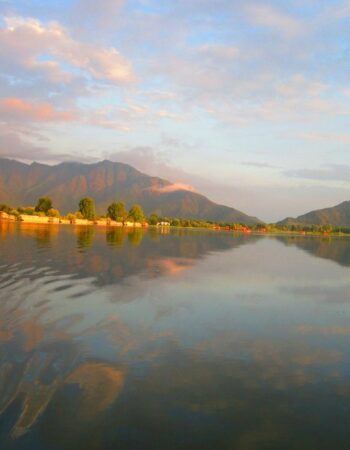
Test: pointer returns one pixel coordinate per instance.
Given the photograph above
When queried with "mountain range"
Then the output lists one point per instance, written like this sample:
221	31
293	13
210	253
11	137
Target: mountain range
338	216
66	183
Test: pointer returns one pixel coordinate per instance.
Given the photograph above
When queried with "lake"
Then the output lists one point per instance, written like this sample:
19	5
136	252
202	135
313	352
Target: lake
181	339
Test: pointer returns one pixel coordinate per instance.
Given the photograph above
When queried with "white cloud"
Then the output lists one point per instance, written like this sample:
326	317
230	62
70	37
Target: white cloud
335	138
330	172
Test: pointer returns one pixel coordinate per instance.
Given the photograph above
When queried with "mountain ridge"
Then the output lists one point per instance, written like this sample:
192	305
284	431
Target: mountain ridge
338	215
66	183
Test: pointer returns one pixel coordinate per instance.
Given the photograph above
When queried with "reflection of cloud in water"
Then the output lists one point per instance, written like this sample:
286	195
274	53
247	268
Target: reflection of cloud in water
334	330
169	266
82	252
73	340
226	377
339	293
101	385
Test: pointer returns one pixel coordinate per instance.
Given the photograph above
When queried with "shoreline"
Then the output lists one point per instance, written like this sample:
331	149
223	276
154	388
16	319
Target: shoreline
45	220
106	223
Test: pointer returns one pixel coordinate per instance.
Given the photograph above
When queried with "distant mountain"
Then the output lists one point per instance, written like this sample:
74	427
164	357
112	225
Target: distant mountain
106	181
338	216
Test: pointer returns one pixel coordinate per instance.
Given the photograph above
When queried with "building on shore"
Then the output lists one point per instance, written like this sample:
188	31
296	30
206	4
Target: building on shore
163	224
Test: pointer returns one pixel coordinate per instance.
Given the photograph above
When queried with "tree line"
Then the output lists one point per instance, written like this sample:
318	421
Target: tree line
86	210
118	212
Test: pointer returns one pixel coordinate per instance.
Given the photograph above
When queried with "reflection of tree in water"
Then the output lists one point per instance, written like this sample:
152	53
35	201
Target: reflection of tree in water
7	228
85	237
226	392
334	248
115	237
44	234
115	254
135	237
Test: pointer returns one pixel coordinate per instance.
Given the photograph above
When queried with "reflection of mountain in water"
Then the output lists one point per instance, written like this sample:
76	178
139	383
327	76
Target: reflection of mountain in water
113	254
334	248
76	374
42	356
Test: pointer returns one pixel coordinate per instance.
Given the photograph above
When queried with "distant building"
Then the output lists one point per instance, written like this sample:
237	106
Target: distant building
163	224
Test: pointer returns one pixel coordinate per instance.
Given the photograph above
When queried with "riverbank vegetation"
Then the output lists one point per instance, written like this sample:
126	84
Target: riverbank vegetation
117	214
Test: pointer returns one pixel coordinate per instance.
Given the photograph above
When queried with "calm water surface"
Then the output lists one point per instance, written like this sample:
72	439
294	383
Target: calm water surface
178	340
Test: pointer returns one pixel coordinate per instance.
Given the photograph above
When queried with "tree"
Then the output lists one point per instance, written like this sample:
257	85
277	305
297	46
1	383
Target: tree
117	211
28	211
53	212
43	205
153	219
5	208
87	208
136	213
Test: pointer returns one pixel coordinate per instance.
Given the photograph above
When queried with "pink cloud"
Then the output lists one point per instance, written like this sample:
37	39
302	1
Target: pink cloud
17	109
175	187
23	42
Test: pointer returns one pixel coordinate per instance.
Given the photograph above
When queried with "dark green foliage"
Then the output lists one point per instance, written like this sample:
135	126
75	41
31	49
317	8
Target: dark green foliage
153	219
136	213
29	211
43	205
116	211
53	213
175	222
87	208
5	208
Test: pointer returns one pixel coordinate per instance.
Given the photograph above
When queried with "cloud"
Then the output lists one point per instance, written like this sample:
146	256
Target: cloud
129	115
272	18
105	16
259	165
217	52
148	160
334	330
298	83
12	146
330	172
337	138
27	43
17	109
174	187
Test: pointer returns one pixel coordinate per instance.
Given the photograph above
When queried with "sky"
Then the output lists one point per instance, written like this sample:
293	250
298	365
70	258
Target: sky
247	102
